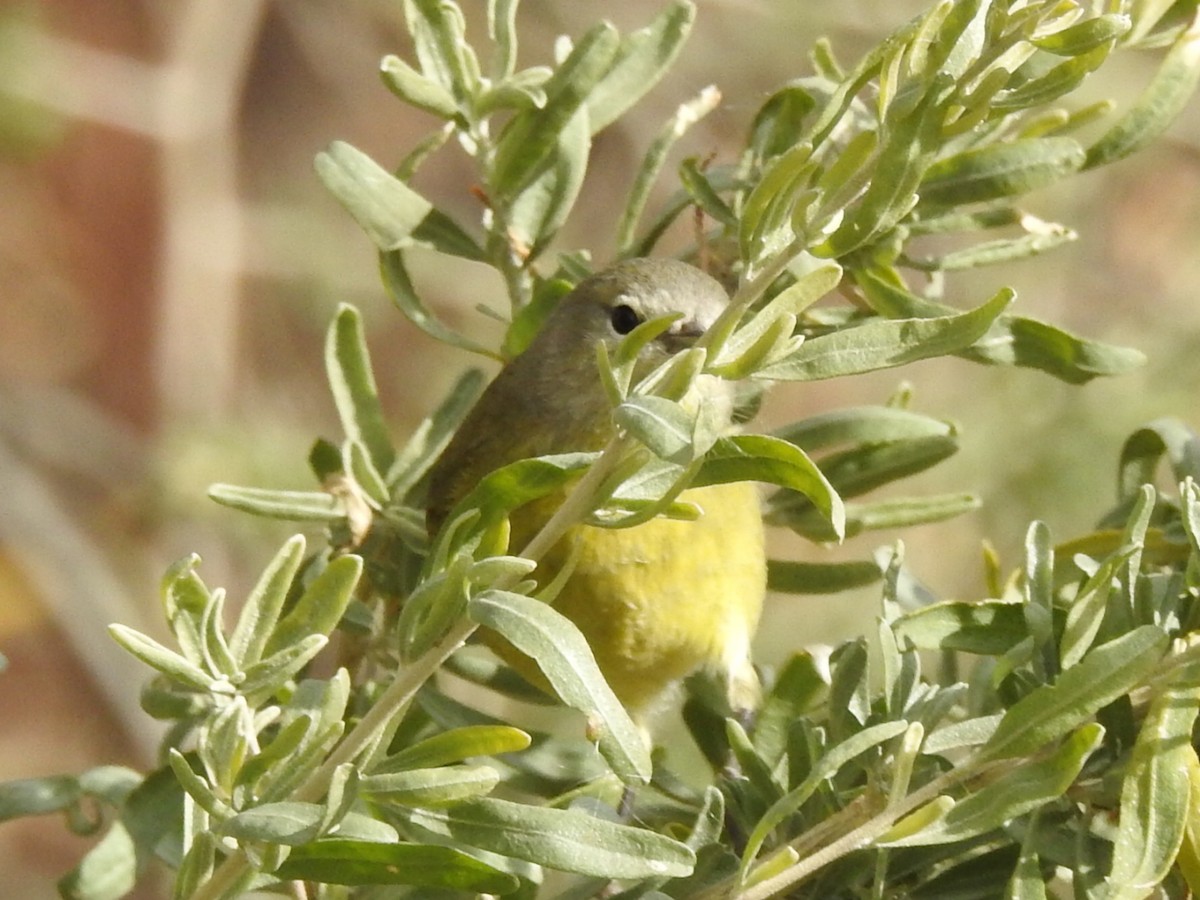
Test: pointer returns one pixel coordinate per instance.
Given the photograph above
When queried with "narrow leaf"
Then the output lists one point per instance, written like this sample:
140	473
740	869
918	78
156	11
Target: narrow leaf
350	862
292	506
883	343
1025	788
1052	710
564	839
560	651
348	367
260	614
1156	791
386	208
320	607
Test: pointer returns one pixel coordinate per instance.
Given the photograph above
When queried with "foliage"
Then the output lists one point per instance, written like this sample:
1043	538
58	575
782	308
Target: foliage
1046	728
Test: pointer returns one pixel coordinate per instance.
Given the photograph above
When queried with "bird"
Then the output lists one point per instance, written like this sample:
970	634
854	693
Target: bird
656	601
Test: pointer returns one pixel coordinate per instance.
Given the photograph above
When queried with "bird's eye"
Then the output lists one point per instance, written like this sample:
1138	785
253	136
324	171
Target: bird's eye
624	319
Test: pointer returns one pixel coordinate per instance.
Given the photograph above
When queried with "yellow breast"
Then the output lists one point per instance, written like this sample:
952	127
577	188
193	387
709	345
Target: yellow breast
661	599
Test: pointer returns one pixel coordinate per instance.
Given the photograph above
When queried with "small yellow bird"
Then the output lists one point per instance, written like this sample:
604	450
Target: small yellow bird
656	601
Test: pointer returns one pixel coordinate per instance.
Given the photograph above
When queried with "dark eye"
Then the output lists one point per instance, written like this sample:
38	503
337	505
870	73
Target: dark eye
624	319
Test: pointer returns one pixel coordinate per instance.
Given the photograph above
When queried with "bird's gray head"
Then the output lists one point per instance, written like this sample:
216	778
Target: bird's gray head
610	304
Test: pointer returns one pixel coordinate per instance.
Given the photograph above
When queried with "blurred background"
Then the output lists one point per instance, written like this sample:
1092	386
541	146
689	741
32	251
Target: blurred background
169	261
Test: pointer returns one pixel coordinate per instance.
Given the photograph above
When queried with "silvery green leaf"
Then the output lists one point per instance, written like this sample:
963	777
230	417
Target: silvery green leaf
967	733
1022	789
528	142
439	38
1156	790
432	788
108	871
986	627
159	657
402	293
348	367
791	577
260	613
414	88
320	607
826	767
1011	340
661	424
357	862
292	506
642	58
759	457
1000	170
1167	94
455	746
553	642
542	206
196	787
1051	710
386	208
563	839
274	671
883	343
288	823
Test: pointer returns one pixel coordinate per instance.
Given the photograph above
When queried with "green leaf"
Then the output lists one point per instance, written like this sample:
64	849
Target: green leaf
1084	36
661	424
863	425
883	343
456	745
320	607
756	457
402	293
415	89
988	627
37	796
436	787
1155	792
273	672
348	367
790	577
438	33
159	657
797	687
563	839
1087	610
826	767
528	141
1023	789
641	60
292	506
1000	170
386	208
1159	105
541	208
287	823
521	482
1052	710
1011	340
340	861
107	872
1146	448
560	651
261	611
